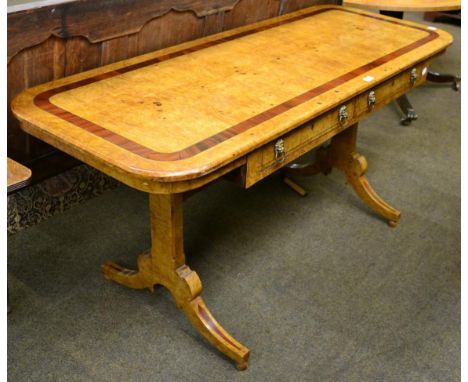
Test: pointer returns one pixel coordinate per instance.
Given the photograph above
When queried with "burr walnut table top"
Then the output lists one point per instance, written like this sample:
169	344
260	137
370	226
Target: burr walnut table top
407	5
182	113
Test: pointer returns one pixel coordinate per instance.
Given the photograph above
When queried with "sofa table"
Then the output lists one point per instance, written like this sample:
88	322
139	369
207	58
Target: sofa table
396	8
243	104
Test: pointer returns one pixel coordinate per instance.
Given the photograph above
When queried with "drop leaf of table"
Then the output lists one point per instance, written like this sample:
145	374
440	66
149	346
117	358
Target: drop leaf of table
248	101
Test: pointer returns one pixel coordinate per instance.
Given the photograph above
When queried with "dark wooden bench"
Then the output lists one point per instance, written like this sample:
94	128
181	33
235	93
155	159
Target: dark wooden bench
18	177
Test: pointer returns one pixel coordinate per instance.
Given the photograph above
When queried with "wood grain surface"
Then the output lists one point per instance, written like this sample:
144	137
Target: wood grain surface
49	19
165	265
262	162
52	39
176	119
184	112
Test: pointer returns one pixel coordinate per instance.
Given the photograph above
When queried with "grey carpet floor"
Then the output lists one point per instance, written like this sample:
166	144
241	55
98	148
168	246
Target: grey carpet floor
319	288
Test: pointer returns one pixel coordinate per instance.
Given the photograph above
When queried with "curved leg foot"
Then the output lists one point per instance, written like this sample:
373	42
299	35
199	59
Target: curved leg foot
186	289
355	174
407	109
202	319
165	265
344	157
444	78
140	279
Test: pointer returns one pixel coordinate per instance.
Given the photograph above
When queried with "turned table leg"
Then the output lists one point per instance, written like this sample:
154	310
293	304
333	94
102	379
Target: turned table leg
342	155
165	265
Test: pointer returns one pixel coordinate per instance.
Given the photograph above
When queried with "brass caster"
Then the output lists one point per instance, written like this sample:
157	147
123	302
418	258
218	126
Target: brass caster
392	223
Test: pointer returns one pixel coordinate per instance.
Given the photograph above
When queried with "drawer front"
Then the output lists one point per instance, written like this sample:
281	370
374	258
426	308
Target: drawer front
291	146
276	154
389	90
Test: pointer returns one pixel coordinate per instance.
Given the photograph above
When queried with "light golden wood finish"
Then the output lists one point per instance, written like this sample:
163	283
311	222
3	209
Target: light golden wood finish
262	162
178	104
342	155
294	186
165	265
406	5
172	121
18	176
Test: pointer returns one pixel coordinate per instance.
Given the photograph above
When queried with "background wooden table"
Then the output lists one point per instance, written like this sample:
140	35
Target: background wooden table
406	5
396	8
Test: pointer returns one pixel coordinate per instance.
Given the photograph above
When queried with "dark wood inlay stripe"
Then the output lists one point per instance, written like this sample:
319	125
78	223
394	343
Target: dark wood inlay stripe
42	100
213	327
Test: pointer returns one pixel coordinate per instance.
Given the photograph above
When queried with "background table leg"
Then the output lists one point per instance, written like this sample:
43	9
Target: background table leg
444	79
407	109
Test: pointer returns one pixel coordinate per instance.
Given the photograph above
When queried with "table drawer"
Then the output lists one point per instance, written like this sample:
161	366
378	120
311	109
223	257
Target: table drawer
276	154
291	146
389	90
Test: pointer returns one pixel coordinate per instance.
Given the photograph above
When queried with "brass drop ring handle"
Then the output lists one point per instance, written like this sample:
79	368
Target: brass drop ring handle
343	114
371	99
413	76
280	152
